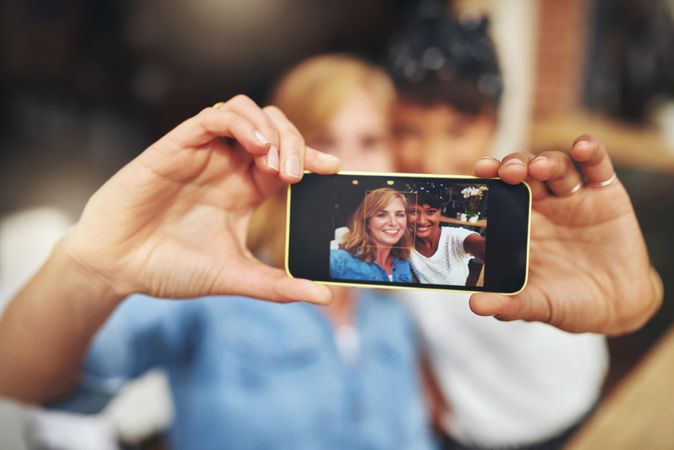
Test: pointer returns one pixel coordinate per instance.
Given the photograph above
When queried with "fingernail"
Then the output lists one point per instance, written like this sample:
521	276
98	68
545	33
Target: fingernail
583	144
513	162
539	159
292	166
272	157
488	158
327	157
260	138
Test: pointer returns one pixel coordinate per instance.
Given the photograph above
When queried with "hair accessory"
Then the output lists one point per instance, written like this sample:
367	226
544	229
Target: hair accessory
436	45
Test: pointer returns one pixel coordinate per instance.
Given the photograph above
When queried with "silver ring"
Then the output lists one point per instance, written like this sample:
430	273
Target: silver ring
572	191
605	183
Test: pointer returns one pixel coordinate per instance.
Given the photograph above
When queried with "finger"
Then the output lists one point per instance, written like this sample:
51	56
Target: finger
212	123
507	308
268	163
593	157
254	279
265	129
558	172
291	146
514	167
486	167
320	162
246	107
538	189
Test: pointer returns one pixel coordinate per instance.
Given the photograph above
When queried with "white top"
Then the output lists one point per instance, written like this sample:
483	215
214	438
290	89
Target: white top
507	383
449	263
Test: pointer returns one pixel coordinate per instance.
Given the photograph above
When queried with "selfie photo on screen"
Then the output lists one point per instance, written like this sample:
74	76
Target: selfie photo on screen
409	230
412	232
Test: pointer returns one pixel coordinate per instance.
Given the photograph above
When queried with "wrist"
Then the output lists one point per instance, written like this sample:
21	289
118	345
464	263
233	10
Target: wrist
645	307
82	275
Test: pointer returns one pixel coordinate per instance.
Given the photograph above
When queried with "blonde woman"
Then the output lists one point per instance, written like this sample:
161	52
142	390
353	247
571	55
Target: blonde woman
377	247
245	374
342	106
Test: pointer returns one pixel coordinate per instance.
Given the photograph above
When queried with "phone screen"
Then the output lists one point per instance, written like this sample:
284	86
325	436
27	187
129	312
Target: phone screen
400	230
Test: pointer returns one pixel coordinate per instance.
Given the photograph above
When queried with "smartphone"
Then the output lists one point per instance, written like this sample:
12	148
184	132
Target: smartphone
400	230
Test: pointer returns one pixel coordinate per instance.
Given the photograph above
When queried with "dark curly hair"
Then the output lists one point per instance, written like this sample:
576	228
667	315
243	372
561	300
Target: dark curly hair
439	59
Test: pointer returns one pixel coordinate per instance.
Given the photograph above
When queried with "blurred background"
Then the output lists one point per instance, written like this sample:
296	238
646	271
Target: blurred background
86	85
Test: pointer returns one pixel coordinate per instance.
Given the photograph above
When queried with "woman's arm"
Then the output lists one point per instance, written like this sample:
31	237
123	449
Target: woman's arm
45	330
475	245
171	223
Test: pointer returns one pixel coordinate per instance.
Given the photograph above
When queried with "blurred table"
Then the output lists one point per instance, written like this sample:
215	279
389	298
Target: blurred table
639	414
482	223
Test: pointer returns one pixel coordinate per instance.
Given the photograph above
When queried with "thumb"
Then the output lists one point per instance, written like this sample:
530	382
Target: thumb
516	307
257	280
487	304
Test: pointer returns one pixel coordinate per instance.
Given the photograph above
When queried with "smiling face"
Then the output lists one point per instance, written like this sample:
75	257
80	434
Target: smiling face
387	226
425	218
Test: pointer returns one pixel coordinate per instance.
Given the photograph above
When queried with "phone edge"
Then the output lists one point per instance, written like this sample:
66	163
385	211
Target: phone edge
379	286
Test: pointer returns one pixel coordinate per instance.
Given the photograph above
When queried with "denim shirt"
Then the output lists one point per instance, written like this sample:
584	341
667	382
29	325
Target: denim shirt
345	266
248	374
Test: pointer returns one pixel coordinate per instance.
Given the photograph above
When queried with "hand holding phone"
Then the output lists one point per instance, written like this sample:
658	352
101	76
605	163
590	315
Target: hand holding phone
162	225
589	269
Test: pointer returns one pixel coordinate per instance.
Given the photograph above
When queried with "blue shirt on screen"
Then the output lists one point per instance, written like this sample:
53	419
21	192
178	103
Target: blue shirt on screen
345	266
251	375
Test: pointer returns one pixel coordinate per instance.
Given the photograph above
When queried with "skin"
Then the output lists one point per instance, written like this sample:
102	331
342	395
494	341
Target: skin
589	268
425	220
386	228
440	139
143	232
359	135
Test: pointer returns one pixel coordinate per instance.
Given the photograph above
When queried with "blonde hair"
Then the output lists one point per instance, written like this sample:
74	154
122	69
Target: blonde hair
358	240
310	95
